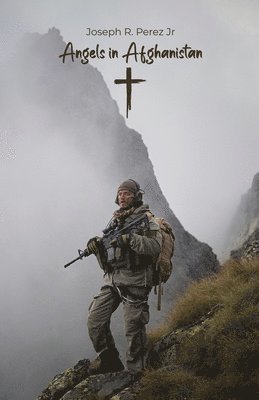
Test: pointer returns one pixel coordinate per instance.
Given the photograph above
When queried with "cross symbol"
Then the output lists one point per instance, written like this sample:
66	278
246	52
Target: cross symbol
128	81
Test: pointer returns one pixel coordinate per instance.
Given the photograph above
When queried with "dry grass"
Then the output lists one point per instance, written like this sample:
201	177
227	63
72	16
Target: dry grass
201	296
162	384
222	362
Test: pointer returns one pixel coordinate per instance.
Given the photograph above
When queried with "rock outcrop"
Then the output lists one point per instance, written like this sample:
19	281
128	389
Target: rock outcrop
249	249
244	230
76	384
246	219
164	352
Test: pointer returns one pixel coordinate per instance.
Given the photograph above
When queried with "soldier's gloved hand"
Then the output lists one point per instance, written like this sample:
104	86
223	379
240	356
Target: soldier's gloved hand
121	240
93	245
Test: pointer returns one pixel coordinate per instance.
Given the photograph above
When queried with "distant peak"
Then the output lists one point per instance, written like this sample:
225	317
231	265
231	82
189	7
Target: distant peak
55	31
255	183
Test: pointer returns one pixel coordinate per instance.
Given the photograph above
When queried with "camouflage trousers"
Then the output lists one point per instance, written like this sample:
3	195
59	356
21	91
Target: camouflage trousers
136	316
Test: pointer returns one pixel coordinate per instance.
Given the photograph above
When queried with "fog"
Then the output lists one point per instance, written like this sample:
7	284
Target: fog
50	206
53	199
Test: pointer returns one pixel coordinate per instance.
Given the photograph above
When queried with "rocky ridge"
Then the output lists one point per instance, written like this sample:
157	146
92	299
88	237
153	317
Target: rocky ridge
246	219
249	249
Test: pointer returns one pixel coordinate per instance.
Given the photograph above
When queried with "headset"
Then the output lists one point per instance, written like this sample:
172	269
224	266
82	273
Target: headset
140	192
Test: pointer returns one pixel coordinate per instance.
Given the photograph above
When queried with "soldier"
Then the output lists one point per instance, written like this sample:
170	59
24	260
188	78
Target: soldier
128	279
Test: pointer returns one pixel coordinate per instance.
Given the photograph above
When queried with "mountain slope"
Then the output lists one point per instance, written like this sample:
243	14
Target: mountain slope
209	352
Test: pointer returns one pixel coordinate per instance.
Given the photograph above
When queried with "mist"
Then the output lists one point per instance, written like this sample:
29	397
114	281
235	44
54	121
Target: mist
45	218
53	199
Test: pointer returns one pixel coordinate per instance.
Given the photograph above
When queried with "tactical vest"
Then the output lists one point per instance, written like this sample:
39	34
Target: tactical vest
123	257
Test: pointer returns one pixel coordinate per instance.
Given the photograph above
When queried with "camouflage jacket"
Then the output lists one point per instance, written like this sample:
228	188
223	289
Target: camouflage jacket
147	247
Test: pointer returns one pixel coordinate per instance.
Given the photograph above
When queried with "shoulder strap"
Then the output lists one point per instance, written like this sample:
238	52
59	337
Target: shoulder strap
149	214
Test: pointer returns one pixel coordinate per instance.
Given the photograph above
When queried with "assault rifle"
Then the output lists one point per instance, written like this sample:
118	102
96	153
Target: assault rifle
82	254
110	234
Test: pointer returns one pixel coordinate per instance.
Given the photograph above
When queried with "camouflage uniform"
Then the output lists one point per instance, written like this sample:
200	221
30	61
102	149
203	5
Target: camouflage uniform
129	284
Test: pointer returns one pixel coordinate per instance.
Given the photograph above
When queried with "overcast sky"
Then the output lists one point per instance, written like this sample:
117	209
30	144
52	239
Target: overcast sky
198	118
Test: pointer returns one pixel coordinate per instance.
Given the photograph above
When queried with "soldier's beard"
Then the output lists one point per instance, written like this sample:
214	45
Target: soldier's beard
127	207
134	203
131	204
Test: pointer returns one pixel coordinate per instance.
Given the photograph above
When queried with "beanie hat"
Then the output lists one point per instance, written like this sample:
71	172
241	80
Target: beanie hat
132	186
129	185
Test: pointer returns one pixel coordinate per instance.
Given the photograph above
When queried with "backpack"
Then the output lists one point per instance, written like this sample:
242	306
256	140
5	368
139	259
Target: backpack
163	264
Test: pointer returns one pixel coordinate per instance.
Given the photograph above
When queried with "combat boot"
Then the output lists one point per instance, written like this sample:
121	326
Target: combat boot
107	361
